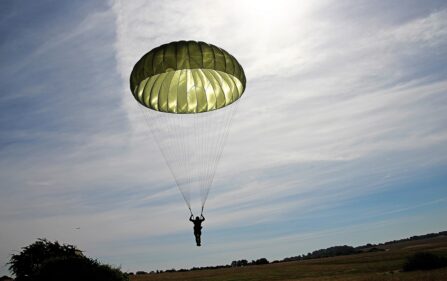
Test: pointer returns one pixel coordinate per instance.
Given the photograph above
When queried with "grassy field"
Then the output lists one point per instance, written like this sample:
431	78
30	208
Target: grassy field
375	266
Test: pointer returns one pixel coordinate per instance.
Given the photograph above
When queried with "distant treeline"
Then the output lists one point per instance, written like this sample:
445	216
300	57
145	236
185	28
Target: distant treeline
233	264
322	253
416	237
348	250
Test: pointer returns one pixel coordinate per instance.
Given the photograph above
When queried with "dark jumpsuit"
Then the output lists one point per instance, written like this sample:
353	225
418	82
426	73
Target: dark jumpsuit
197	227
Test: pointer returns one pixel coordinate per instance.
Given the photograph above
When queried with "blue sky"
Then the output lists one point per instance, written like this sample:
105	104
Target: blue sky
340	137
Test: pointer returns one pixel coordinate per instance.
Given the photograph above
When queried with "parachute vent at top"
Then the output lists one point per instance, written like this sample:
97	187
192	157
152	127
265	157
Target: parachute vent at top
187	77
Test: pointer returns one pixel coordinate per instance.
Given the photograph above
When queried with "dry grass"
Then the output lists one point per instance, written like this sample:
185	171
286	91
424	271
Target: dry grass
376	266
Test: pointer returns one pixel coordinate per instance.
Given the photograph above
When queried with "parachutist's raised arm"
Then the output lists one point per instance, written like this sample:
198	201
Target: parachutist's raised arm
191	217
202	217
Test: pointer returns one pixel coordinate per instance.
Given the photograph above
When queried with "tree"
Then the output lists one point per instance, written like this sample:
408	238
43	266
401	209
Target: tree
50	261
239	263
261	261
26	265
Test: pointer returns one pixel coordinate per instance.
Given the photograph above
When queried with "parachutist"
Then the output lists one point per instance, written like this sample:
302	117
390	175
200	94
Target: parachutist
197	227
188	89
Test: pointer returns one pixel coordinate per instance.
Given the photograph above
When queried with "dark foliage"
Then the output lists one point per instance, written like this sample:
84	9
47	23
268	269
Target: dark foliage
50	261
28	262
78	268
324	253
424	261
239	263
209	267
332	252
260	261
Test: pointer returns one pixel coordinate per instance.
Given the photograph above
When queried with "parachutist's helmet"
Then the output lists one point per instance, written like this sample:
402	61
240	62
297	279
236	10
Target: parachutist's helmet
197	218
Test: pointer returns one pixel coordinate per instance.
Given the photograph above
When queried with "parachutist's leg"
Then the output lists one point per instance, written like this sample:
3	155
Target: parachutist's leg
197	235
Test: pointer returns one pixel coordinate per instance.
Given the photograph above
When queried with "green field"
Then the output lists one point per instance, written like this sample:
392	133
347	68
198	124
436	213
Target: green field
372	266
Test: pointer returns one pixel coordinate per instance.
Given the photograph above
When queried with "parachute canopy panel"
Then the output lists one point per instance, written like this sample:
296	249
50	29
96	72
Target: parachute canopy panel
187	77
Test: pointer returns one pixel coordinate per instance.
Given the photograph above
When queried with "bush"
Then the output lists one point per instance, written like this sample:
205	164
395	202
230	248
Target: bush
424	261
78	268
50	261
261	261
28	262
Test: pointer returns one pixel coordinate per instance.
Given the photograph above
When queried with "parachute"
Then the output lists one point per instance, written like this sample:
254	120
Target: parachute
187	91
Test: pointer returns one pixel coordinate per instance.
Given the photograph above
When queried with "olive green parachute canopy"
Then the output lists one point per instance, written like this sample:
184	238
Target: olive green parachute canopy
187	77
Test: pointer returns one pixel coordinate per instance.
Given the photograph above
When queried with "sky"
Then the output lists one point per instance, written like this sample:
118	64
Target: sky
340	137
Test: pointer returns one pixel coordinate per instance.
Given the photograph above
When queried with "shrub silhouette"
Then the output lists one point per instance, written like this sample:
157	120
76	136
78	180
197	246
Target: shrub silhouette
260	261
424	261
50	261
28	262
78	268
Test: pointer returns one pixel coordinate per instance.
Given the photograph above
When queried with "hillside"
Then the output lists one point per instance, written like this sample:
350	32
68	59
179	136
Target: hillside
368	266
